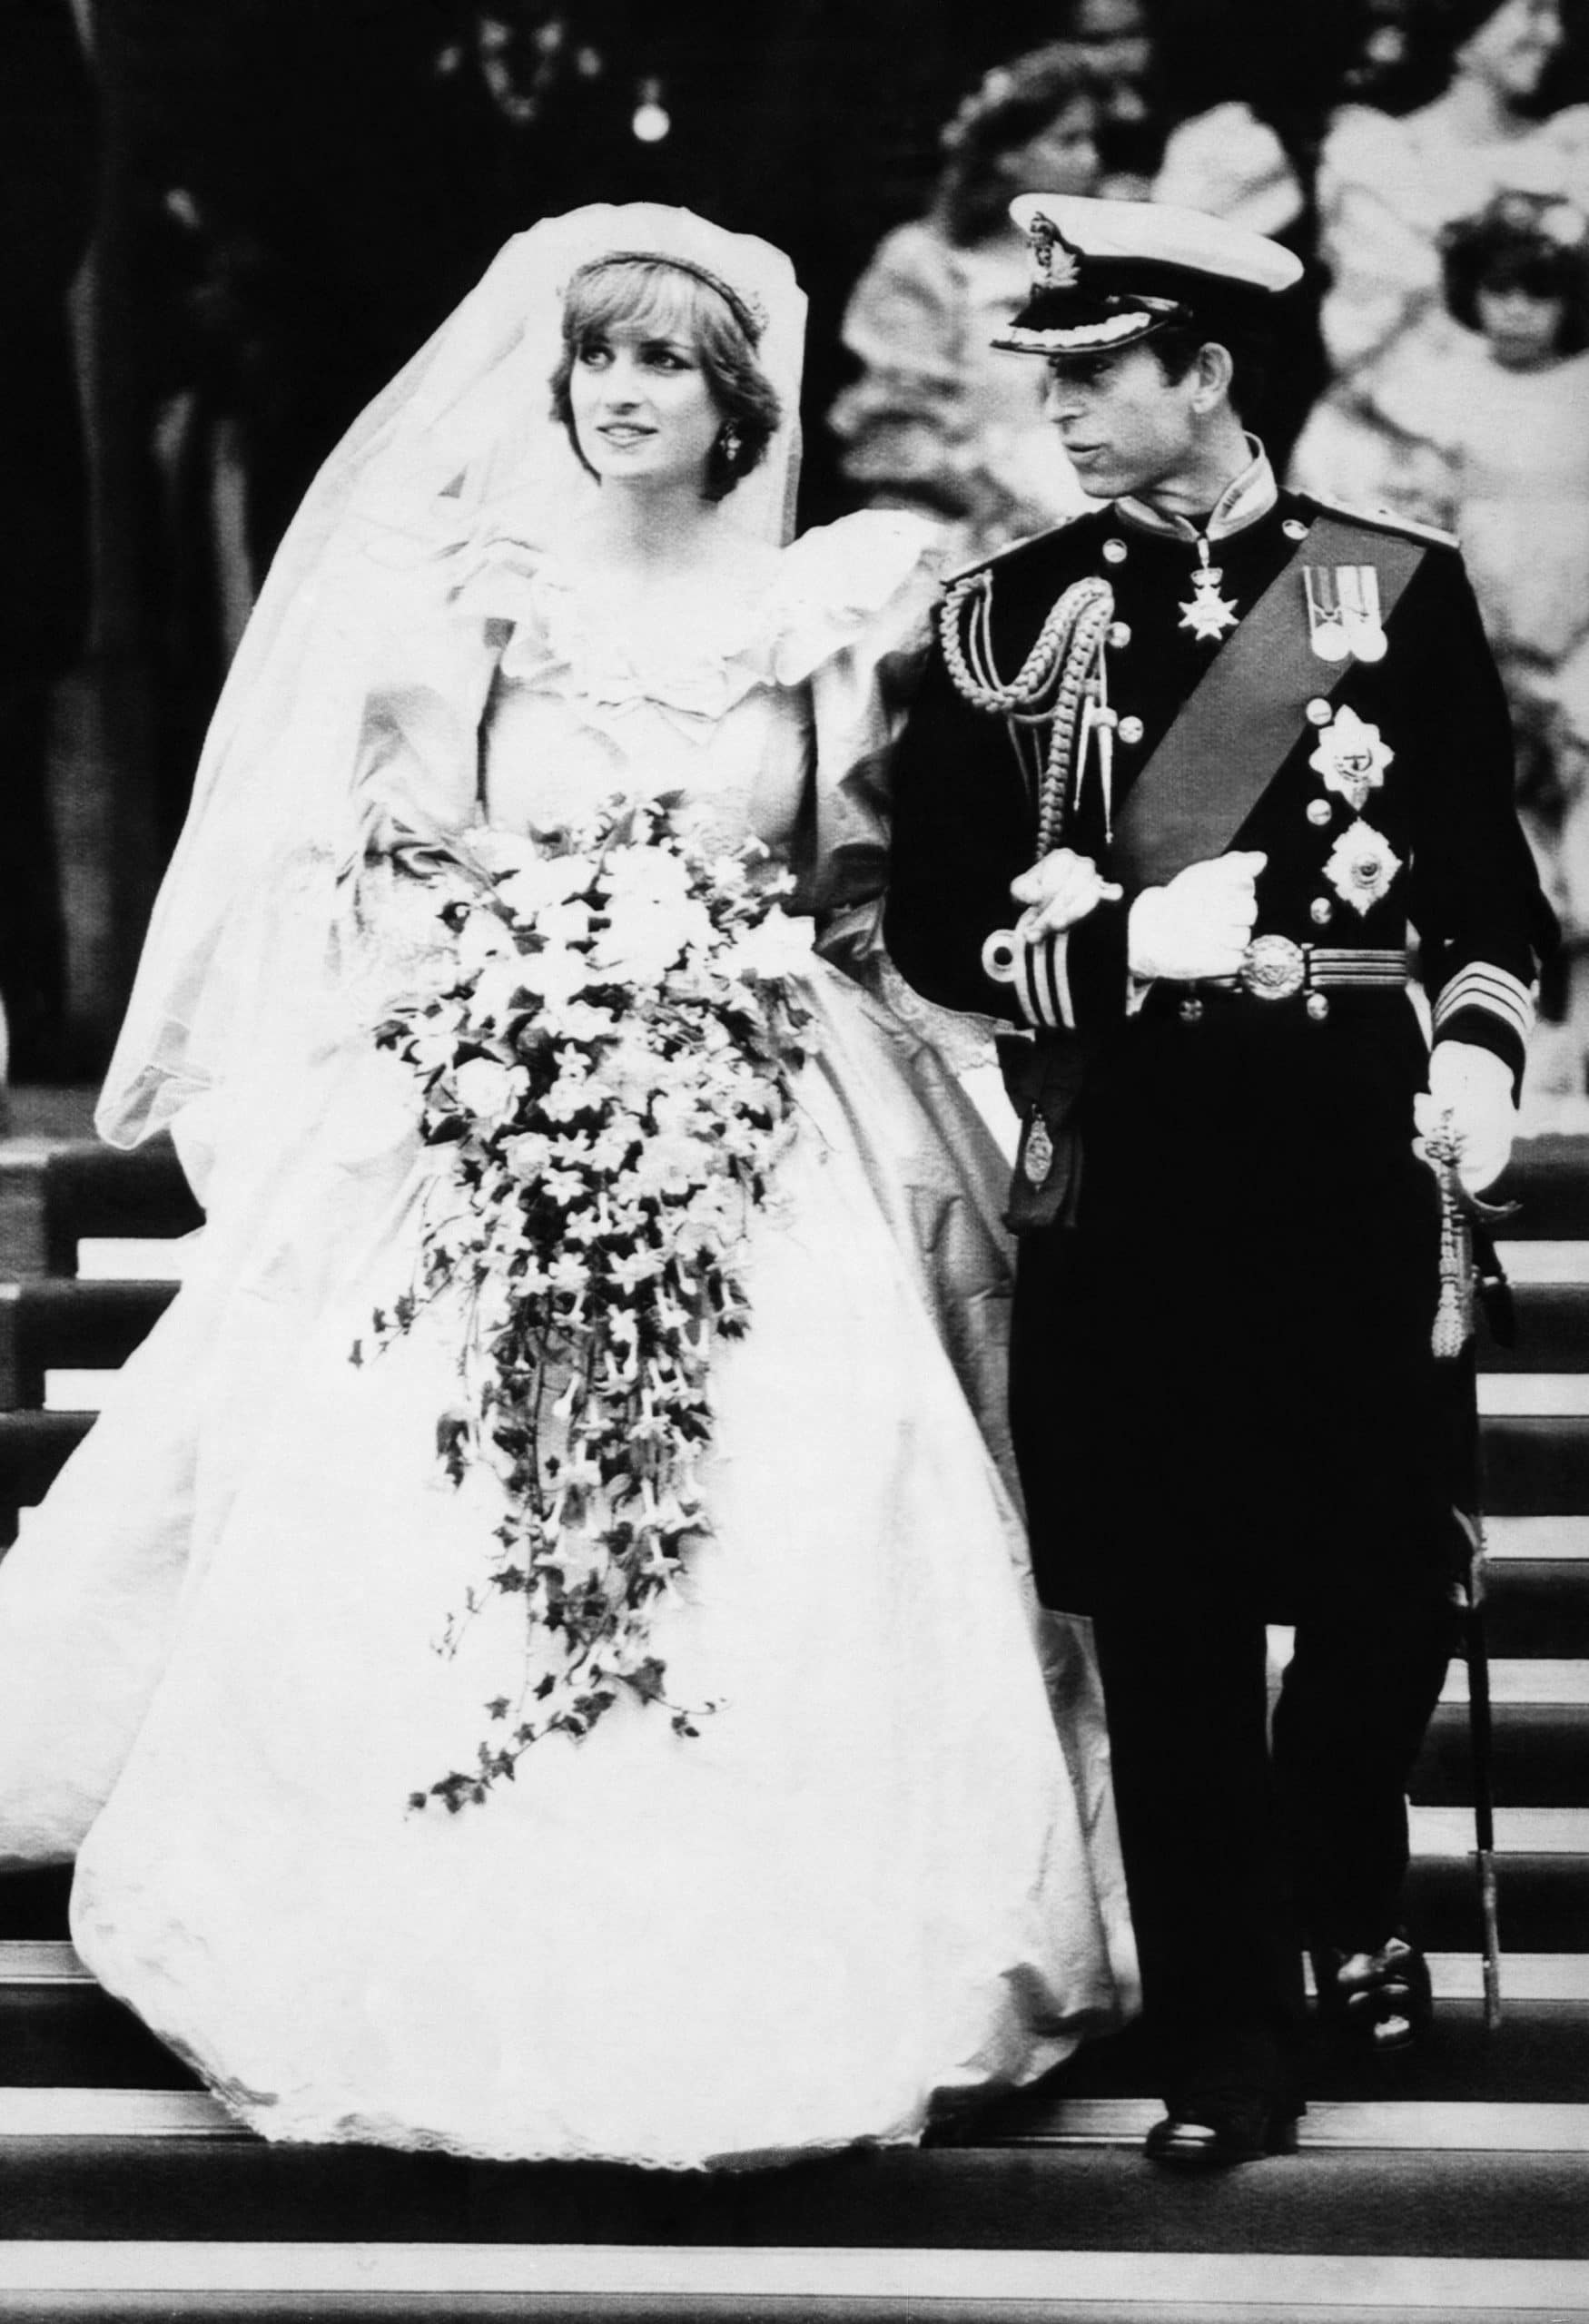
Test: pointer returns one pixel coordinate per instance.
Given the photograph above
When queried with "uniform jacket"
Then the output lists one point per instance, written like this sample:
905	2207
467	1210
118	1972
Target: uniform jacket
1221	1376
964	822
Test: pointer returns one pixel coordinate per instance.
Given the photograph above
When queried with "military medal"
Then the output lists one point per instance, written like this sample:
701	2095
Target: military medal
1358	589
1207	614
1326	632
1352	758
1342	612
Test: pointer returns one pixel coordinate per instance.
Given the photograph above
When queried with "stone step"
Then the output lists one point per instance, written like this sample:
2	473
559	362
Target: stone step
1544	1262
1552	1331
1536	1607
1539	1756
1553	1396
810	2283
52	1324
1548	1178
33	1448
1537	1468
65	2037
52	1194
1369	2181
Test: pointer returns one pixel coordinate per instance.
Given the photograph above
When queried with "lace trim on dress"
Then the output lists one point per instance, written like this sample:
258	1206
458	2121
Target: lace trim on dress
825	591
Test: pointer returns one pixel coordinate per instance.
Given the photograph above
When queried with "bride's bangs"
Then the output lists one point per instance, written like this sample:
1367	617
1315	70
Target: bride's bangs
642	295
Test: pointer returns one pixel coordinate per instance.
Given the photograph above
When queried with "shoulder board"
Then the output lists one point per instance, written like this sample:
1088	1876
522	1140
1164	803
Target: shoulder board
1011	549
1382	520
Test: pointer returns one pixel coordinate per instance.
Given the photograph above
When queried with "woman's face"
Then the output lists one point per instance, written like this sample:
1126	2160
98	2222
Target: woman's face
1524	327
643	408
1060	158
1513	48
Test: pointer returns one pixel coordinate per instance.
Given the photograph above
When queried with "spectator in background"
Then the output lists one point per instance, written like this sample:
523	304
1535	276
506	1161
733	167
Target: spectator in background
48	175
1388	187
938	421
1487	433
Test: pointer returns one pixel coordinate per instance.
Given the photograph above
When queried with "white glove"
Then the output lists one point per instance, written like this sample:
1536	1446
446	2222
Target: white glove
1473	1086
1060	888
1198	926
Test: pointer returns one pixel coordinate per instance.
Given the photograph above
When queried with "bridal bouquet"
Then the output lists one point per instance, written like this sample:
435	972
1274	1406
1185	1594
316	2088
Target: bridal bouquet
609	1050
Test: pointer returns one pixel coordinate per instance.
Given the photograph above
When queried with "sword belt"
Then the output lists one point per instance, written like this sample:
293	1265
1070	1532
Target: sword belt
1275	969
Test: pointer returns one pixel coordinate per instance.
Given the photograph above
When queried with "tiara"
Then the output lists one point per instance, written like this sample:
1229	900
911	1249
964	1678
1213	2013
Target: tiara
746	308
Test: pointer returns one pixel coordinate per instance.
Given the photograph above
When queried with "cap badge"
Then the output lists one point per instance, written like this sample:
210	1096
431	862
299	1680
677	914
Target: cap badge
1352	758
1058	263
1342	612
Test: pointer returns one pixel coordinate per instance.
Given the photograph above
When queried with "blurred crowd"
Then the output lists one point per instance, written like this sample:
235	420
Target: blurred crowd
222	229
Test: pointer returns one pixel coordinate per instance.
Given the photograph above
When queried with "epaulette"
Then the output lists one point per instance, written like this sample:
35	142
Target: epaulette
1383	520
1010	548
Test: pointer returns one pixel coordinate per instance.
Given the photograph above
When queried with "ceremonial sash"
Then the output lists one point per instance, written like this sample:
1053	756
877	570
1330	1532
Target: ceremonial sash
1240	723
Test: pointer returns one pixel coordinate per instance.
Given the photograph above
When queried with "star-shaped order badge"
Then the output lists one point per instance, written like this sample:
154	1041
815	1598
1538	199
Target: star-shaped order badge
1207	614
1361	866
1352	758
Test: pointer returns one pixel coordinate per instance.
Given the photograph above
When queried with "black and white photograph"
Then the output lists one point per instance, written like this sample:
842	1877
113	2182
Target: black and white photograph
794	1161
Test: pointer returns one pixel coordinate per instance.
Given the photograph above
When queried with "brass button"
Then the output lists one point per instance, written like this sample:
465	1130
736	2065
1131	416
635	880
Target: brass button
1319	712
1321	912
1114	552
1191	1010
1317	1007
1318	811
1294	529
1120	634
1129	730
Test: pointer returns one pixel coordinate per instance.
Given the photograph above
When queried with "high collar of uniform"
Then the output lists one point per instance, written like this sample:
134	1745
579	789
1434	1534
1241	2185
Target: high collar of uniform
1244	500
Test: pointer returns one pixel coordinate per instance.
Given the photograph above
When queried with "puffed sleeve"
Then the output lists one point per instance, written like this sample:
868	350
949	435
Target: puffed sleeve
1381	256
903	424
856	613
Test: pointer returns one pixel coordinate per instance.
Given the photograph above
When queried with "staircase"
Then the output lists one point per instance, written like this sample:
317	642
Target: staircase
1454	2184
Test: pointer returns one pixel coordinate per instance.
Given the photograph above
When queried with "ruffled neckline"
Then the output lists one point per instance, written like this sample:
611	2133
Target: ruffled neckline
822	594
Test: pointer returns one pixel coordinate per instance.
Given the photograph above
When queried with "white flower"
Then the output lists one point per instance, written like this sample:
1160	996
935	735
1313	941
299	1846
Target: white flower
546	880
497	991
777	947
489	1091
644	939
1361	866
563	924
653	875
484	936
558	976
527	1154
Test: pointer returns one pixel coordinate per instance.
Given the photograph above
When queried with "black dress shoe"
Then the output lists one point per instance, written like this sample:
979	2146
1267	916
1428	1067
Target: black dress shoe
1379	2000
1210	2135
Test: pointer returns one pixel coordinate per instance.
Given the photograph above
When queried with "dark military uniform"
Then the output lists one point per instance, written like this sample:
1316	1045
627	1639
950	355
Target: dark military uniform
1224	1404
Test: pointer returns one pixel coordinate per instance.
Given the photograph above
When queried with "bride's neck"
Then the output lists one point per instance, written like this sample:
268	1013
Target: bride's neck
652	534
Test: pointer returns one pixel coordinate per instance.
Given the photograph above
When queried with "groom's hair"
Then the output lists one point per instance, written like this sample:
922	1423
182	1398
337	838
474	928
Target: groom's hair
642	293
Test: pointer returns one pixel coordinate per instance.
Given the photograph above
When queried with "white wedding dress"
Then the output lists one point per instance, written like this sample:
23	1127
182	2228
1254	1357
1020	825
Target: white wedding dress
883	1870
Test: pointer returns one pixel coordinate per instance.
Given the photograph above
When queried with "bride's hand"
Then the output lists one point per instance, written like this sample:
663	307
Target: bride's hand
1060	888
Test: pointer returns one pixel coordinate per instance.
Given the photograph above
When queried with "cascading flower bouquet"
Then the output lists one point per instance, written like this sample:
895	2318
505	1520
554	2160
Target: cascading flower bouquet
609	1052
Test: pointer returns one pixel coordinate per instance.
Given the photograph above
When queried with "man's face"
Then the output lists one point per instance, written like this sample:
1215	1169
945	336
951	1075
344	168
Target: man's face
1126	428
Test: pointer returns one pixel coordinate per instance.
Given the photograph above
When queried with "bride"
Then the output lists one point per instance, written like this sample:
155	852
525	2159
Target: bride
877	1872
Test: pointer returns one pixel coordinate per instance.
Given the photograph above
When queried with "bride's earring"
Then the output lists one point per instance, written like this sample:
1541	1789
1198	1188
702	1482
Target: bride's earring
728	442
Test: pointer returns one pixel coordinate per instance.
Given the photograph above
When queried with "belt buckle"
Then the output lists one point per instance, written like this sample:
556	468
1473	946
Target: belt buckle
1272	969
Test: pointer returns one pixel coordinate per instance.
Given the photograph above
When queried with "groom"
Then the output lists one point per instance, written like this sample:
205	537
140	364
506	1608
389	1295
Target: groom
1275	743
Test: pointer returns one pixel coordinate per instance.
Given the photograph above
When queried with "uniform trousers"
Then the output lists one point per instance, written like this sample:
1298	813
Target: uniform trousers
1236	1855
